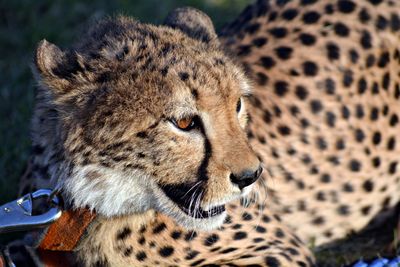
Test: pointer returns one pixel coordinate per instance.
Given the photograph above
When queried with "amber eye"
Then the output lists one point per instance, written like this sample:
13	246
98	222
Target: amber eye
185	124
239	105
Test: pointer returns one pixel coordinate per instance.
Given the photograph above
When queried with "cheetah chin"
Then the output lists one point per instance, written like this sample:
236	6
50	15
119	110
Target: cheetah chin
139	194
187	216
177	203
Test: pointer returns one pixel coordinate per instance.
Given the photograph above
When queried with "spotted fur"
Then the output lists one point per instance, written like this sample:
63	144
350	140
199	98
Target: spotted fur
326	91
323	119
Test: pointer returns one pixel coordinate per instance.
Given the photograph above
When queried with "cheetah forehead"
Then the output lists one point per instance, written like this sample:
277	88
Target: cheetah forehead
122	59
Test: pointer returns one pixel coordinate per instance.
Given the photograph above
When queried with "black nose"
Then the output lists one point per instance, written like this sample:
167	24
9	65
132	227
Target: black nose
246	178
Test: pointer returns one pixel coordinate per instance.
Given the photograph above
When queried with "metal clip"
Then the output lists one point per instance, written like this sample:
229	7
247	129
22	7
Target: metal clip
17	215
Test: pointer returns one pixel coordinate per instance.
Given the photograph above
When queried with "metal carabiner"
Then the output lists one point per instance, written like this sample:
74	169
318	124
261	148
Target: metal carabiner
17	215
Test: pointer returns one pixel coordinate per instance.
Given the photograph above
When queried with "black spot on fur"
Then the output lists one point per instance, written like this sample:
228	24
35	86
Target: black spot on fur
252	28
284	52
318	220
159	228
341	29
124	233
198	262
247	216
278	32
128	251
211	240
325	178
354	165
392	167
289	14
141	256
267	62
364	16
347	78
260	229
271	261
307	39
261	78
383	59
183	76
310	68
346	6
281	88
394	22
316	106
284	130
311	17
391	144
347	187
244	50
343	210
330	119
259	42
329	9
375	2
376	138
142	240
362	85
365	210
166	251
239	235
381	23
258	240
330	86
191	255
394	120
354	56
141	134
333	51
359	135
176	234
386	81
228	250
195	93
368	186
366	40
164	71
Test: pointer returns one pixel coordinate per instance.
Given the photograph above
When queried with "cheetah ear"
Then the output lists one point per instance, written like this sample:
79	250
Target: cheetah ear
195	23
51	65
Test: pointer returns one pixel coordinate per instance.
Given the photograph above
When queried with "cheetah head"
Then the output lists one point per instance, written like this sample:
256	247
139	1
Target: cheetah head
149	117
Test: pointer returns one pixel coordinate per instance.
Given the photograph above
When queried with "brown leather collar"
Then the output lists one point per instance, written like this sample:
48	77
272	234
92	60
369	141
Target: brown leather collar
63	236
66	232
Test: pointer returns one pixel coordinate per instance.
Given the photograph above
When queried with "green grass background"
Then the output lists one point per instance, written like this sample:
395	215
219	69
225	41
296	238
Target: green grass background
23	23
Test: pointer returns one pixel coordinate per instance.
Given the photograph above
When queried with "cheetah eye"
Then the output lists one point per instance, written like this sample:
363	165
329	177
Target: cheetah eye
185	124
239	105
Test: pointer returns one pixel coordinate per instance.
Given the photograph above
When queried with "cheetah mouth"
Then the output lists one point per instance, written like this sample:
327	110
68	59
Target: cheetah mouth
199	213
190	203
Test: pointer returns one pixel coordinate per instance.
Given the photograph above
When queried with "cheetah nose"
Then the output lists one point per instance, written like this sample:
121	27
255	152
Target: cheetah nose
246	177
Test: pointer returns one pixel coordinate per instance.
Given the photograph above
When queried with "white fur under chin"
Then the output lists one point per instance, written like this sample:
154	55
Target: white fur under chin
167	206
115	193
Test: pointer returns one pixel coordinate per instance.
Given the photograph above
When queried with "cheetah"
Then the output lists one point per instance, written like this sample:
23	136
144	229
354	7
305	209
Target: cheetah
161	129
